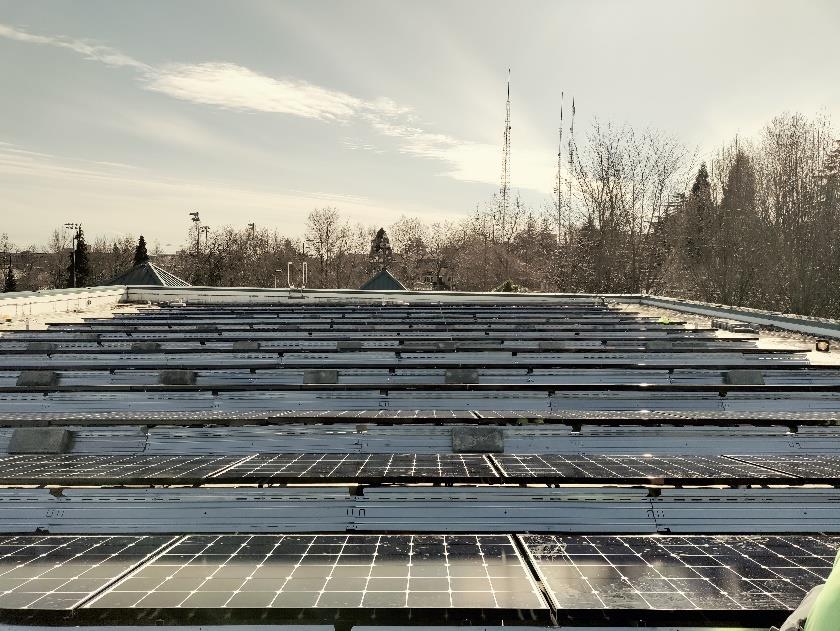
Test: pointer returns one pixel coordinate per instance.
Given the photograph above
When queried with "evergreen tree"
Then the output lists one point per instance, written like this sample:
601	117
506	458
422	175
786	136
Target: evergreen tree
381	255
701	184
698	215
10	282
79	268
140	253
738	247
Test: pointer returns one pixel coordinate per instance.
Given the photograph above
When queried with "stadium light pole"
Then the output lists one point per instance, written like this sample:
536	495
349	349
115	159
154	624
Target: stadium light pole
196	220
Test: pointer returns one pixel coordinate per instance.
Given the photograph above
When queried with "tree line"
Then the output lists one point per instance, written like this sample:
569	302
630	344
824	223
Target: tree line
754	224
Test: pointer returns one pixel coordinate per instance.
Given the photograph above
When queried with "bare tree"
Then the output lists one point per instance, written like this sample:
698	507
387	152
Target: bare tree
623	180
409	238
328	238
794	152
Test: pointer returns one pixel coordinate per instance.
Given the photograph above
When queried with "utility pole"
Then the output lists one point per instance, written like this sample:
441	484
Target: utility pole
504	190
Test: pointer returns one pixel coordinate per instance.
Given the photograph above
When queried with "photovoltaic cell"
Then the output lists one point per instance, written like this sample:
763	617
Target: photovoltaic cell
624	468
122	469
58	572
331	571
360	467
723	572
810	466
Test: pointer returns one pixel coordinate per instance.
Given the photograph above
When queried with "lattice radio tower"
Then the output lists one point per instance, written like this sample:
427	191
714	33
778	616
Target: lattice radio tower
504	191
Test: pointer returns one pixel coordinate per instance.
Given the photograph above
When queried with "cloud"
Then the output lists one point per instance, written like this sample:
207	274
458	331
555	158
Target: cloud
104	54
49	190
234	87
471	161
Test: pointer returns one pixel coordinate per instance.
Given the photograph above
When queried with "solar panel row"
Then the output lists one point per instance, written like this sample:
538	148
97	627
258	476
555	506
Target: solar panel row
196	572
441	467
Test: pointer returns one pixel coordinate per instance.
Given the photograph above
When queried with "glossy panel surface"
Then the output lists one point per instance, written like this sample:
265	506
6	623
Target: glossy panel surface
332	571
724	572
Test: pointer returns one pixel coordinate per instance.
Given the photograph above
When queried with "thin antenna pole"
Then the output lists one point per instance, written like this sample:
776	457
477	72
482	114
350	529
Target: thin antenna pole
560	176
504	191
571	158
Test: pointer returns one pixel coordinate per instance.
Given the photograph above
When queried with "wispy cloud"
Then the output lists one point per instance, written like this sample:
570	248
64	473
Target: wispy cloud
231	86
104	54
92	190
235	87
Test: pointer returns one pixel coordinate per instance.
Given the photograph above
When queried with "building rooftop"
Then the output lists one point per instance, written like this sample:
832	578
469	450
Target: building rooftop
147	273
188	456
383	280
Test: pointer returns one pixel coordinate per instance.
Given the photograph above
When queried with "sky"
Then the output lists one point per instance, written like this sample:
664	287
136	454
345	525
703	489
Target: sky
126	116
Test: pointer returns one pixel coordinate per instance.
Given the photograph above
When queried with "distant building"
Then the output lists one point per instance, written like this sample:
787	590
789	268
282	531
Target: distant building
383	280
433	277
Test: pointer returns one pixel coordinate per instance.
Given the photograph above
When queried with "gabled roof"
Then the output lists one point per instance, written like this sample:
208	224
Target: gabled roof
148	274
383	280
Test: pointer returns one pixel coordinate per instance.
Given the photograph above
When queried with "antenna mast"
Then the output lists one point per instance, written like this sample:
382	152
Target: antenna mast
571	158
504	191
559	186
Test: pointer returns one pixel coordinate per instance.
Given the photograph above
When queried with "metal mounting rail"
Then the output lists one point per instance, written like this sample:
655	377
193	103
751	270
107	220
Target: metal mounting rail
795	423
551	389
130	362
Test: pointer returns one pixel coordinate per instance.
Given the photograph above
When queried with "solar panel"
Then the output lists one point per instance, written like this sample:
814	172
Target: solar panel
629	468
360	467
723	572
333	572
58	572
810	466
123	469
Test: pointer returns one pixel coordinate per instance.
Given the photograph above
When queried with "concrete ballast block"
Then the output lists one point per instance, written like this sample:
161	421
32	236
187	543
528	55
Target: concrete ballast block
478	440
429	345
145	347
744	378
40	440
37	379
47	347
743	328
177	377
246	345
314	376
461	375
